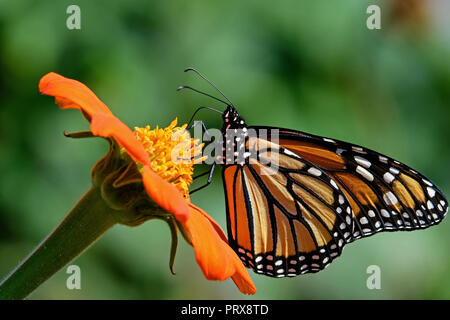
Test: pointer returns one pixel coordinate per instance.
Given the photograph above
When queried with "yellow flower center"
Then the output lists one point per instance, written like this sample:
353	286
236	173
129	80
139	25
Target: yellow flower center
172	152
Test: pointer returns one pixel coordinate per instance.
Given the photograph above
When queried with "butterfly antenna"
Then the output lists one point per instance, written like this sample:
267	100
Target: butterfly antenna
204	78
200	108
201	92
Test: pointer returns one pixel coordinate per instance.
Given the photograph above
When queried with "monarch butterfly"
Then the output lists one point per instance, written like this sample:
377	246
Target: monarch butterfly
296	216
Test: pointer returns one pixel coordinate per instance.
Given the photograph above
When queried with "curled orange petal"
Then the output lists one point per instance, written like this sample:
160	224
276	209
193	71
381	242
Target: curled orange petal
70	93
105	125
165	194
214	224
213	254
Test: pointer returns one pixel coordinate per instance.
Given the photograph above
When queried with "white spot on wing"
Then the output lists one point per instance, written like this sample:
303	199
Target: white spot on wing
364	162
314	171
289	152
390	198
334	184
366	174
329	140
383	159
385	213
388	177
348	220
394	170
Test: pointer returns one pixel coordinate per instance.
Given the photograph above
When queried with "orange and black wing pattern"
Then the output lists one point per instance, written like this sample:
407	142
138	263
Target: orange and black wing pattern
295	215
285	217
385	195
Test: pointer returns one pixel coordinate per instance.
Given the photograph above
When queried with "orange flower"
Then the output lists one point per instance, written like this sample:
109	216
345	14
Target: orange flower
165	182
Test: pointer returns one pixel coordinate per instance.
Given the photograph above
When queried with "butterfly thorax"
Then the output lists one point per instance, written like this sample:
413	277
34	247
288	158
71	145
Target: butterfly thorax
234	137
232	119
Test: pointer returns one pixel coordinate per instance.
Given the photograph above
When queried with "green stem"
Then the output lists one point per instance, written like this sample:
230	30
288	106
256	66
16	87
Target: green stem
84	224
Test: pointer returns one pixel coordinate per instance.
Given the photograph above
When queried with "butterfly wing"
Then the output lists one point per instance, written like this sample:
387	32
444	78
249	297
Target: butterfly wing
385	195
285	215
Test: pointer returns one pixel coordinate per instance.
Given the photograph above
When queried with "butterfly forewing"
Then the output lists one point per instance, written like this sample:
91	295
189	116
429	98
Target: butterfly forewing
385	194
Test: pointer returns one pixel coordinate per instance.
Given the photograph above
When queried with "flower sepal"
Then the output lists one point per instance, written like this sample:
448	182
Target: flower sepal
119	180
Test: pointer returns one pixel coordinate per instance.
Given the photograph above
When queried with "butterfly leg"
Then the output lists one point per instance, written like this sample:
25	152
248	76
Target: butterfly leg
210	172
201	174
204	130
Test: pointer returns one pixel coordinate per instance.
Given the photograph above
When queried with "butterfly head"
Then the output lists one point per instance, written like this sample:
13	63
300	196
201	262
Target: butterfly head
232	119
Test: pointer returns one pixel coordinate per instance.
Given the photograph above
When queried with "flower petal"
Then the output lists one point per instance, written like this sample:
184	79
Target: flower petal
165	194
70	93
104	125
214	256
215	225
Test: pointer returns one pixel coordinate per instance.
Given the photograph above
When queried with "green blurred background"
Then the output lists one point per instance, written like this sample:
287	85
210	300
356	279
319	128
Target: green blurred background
306	65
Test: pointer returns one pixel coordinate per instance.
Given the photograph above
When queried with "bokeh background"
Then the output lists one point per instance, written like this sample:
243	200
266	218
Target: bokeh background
306	65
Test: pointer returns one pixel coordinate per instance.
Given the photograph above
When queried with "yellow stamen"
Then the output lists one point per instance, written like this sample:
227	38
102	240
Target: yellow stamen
172	152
